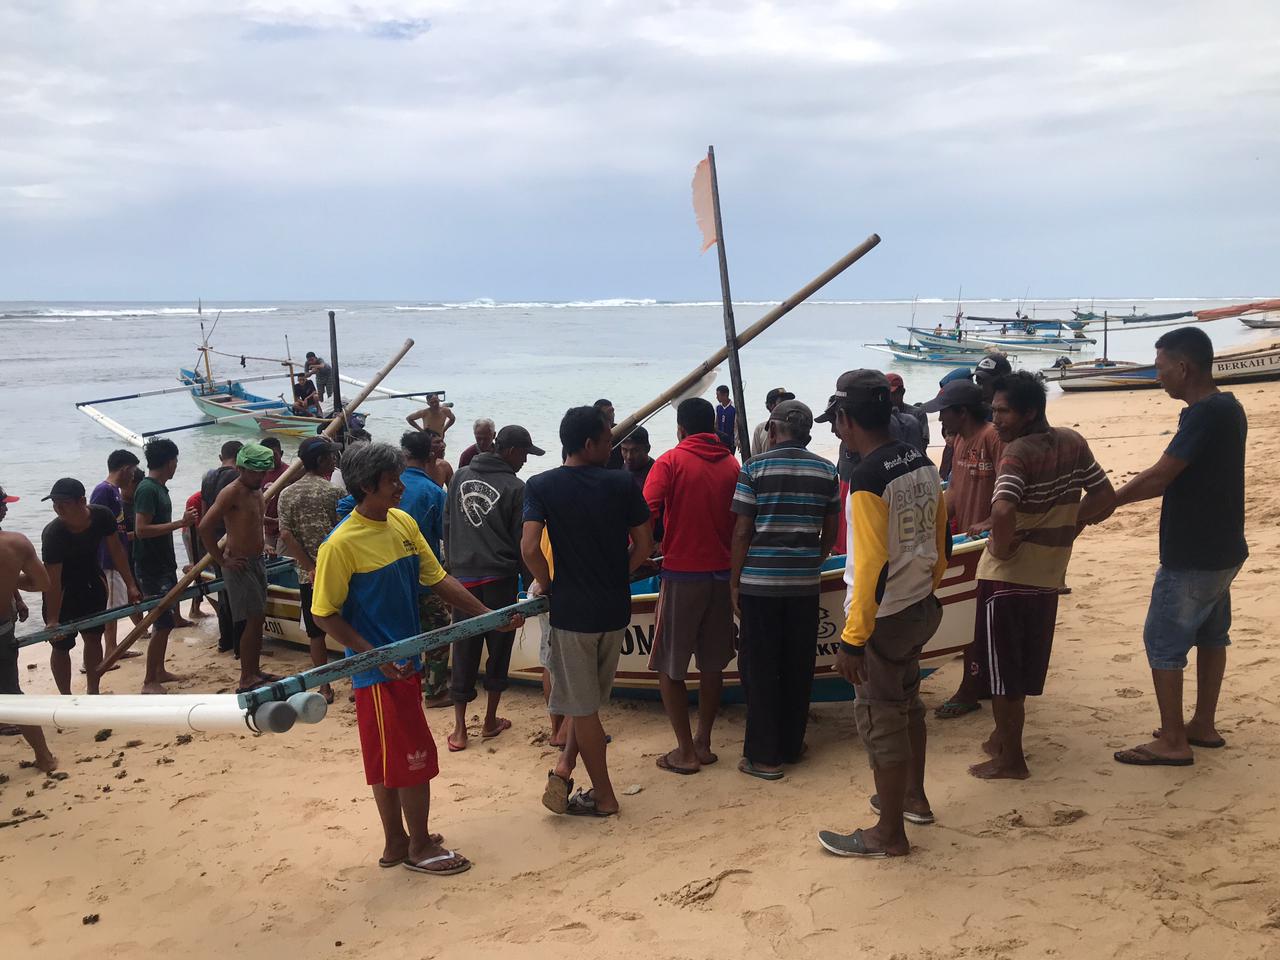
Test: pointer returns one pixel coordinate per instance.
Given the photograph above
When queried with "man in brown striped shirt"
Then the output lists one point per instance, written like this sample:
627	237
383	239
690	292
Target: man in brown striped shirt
1036	512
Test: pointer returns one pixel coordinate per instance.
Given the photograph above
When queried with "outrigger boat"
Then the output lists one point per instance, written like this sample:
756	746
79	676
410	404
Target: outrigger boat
634	678
910	353
1249	366
225	400
949	340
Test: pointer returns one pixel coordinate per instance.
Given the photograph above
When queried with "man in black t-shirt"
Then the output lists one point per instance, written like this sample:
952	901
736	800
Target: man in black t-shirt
590	514
1202	547
70	548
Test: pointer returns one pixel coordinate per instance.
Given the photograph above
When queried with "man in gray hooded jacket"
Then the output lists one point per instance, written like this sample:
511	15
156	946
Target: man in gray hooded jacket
483	522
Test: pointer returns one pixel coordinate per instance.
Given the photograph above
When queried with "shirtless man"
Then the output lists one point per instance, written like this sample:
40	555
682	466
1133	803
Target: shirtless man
20	568
438	468
434	416
239	508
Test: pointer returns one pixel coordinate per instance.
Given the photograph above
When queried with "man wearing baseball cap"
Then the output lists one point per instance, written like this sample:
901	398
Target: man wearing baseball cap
70	547
990	369
760	436
787	501
976	453
20	568
483	521
898	397
898	546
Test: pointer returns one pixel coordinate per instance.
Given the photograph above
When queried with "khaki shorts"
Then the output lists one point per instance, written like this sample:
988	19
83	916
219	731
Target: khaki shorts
890	698
582	667
693	617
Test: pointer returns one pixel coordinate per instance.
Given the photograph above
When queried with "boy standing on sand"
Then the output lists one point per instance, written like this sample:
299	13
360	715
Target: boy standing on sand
20	569
1202	547
1036	514
366	595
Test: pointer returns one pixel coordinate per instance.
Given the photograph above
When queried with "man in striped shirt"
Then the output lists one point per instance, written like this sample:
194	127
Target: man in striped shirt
787	502
1036	513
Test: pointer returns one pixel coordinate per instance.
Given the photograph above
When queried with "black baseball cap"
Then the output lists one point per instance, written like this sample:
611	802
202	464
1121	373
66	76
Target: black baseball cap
778	394
312	449
993	365
68	488
857	386
795	414
954	393
516	436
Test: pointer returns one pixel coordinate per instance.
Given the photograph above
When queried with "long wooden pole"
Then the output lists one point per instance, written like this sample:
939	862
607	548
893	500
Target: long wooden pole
746	336
283	481
335	383
730	331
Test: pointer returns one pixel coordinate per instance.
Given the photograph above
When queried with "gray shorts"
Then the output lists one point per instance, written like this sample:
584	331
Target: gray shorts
582	666
246	590
693	617
8	659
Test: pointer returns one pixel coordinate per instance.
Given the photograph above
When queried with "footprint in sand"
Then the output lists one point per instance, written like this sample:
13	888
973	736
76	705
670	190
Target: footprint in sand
1128	693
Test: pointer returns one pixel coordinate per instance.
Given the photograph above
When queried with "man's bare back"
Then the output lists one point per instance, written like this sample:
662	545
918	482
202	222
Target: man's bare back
18	561
242	511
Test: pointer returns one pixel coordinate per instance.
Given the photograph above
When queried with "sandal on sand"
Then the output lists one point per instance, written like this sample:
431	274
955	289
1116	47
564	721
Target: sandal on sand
956	708
503	724
1207	744
555	797
583	804
453	747
664	763
749	768
1142	757
924	819
436	838
852	845
425	866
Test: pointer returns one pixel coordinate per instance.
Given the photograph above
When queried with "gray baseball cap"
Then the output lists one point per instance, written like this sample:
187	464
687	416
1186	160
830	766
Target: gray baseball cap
794	414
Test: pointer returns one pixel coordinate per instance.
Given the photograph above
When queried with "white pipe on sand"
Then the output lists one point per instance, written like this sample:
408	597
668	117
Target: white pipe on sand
199	713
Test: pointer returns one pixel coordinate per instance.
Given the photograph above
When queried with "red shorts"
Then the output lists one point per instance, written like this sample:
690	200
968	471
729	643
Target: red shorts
394	737
1013	637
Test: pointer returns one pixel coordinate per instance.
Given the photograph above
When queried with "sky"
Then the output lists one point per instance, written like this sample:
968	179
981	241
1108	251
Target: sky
543	149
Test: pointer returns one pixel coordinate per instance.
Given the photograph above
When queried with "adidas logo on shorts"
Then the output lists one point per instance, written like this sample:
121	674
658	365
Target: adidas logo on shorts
417	759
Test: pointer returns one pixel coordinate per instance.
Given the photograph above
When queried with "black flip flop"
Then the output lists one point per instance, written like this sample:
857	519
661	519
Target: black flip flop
1142	757
583	804
665	764
1206	744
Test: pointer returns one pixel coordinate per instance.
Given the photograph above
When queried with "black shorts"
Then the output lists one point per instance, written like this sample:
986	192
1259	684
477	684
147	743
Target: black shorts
309	624
79	601
8	659
1013	637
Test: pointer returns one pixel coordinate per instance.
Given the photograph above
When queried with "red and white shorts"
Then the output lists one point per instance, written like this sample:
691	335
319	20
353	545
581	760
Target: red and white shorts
395	740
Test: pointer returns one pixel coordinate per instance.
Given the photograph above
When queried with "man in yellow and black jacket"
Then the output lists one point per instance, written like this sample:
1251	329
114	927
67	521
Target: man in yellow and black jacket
898	548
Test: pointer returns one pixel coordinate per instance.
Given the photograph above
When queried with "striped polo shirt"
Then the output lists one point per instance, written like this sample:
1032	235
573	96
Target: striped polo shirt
789	492
1042	474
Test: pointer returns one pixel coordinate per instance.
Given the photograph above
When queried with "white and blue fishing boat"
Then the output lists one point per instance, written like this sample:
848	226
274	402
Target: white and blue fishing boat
1031	344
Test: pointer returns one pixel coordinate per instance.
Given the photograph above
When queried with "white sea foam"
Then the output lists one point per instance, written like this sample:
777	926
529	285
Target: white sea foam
151	312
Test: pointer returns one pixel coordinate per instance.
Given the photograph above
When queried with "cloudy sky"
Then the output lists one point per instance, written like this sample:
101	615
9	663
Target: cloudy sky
542	149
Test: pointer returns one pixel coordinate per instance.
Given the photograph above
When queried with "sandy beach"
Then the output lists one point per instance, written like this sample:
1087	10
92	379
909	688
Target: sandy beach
252	846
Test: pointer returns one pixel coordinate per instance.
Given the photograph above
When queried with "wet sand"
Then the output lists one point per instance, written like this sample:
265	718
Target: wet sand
253	846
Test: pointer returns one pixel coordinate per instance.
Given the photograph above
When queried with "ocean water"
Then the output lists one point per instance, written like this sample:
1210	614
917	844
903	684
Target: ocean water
513	362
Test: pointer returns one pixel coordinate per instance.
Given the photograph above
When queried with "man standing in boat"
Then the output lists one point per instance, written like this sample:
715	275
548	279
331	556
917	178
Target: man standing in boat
897	553
787	501
154	561
434	416
70	548
598	524
308	512
1200	479
484	521
977	449
323	373
368	574
20	569
239	506
691	488
1036	513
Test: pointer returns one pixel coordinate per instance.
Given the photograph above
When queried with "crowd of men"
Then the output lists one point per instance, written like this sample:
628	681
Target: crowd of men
730	541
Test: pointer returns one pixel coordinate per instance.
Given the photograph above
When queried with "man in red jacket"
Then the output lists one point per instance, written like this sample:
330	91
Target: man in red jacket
690	488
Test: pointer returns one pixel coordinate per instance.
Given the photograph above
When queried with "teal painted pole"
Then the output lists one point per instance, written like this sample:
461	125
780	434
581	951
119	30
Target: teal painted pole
119	613
400	650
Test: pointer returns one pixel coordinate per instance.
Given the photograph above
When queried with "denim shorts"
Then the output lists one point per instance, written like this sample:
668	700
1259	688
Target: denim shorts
1189	608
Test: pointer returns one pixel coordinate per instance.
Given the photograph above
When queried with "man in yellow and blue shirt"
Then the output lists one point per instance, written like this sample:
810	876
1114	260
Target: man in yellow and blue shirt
898	547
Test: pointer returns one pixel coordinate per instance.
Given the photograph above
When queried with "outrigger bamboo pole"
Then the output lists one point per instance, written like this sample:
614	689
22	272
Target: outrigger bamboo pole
745	337
742	435
284	480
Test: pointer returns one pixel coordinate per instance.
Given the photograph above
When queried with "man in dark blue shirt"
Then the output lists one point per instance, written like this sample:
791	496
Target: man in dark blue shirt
726	419
1202	547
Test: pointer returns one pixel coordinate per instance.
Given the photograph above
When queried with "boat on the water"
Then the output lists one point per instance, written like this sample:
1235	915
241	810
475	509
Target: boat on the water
1028	324
985	341
957	592
911	353
229	399
1088	316
1261	320
1250	366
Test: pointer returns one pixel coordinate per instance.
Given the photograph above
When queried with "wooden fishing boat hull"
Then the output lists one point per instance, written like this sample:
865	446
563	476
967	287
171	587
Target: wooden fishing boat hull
1265	320
265	414
921	356
1027	344
957	592
1253	367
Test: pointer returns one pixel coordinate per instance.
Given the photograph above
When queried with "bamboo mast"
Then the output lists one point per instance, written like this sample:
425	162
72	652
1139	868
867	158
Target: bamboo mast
284	480
747	335
730	331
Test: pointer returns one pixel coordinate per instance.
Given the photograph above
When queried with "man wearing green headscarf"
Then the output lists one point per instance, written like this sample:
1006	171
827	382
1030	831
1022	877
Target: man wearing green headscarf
239	508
